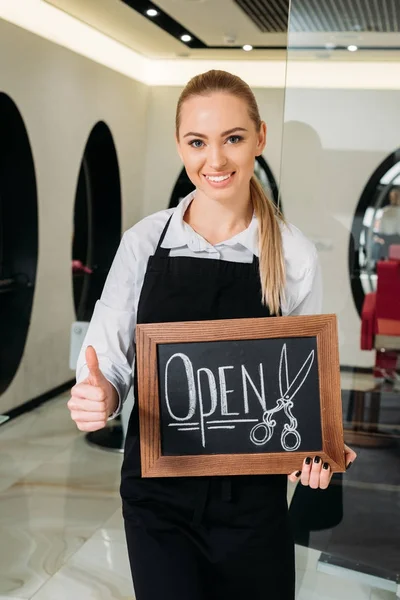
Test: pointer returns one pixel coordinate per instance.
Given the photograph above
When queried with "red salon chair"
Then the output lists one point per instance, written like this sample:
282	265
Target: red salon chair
380	331
380	328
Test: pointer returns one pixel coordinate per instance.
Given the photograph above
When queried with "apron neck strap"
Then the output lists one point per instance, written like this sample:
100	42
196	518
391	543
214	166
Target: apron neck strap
163	251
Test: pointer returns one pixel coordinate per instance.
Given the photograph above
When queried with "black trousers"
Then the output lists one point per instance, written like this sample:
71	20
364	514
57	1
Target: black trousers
210	539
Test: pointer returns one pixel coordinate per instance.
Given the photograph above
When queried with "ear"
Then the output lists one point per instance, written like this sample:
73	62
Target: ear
178	148
261	139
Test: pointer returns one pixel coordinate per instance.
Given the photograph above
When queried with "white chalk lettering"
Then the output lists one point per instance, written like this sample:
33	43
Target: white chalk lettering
224	392
205	396
261	396
191	386
212	386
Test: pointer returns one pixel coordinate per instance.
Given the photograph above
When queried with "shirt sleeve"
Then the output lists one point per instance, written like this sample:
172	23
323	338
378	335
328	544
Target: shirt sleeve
310	295
112	327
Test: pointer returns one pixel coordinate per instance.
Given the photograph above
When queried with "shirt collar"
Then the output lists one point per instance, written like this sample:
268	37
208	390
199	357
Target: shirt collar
180	234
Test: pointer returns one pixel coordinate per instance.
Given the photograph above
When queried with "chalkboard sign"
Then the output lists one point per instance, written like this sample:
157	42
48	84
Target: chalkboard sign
239	396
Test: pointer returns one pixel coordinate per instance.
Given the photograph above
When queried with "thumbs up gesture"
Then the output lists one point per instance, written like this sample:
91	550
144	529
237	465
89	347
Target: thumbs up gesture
94	399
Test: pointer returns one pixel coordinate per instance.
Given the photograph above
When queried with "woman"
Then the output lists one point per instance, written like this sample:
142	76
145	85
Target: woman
224	252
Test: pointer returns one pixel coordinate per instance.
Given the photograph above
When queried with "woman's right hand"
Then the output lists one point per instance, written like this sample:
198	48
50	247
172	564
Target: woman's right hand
94	399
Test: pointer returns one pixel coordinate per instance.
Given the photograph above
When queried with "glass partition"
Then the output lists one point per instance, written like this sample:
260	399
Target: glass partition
340	182
375	226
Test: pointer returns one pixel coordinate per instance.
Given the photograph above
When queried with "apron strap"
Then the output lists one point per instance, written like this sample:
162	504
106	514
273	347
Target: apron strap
163	252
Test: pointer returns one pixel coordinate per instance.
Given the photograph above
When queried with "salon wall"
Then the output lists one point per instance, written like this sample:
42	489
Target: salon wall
333	142
61	95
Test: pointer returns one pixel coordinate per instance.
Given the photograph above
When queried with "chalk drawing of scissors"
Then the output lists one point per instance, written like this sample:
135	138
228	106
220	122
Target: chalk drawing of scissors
263	432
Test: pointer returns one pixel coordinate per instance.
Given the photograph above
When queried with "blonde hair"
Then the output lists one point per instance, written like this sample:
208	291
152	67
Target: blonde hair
272	267
394	196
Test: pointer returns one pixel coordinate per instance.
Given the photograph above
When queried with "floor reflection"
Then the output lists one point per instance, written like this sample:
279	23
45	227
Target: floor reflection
62	533
356	521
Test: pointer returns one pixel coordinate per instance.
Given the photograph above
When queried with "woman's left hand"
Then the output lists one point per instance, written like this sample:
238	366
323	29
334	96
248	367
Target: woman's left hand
317	474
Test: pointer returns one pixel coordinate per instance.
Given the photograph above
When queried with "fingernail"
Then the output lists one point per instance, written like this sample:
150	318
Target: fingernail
317	459
298	474
326	466
348	466
308	460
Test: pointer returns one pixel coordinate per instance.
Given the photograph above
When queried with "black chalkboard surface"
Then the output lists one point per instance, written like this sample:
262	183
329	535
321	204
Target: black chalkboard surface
240	396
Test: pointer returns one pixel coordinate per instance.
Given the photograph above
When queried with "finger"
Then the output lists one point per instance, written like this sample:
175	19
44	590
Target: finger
94	426
305	471
88	417
315	473
85	405
350	456
95	375
325	476
85	391
293	477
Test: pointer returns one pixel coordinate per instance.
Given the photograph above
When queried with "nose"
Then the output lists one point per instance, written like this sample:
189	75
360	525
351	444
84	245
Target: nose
216	158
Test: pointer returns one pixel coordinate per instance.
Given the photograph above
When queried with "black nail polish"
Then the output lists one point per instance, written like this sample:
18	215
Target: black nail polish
317	459
308	460
326	466
298	474
348	466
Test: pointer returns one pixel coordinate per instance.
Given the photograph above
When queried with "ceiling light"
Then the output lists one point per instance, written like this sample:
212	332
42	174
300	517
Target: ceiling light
352	48
186	38
151	12
247	47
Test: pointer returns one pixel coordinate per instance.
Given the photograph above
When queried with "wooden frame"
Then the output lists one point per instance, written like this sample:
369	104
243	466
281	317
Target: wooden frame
149	336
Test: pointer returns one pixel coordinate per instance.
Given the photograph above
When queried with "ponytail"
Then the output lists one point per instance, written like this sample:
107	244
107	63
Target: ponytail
271	260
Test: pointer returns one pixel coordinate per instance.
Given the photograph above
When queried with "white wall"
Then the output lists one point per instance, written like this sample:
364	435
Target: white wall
333	141
61	96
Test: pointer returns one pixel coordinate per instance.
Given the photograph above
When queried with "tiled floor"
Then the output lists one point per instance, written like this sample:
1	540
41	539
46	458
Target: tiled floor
60	525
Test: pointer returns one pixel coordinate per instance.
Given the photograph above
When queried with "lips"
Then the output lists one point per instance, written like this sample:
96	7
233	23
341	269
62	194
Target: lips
218	177
221	180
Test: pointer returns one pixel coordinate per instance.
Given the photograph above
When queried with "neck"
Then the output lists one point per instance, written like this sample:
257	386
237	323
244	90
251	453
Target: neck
215	221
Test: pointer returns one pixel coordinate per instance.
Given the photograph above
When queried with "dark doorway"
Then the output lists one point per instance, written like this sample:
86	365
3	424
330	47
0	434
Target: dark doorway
18	238
97	220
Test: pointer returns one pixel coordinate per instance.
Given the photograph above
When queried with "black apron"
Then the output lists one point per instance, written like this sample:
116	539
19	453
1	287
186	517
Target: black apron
204	538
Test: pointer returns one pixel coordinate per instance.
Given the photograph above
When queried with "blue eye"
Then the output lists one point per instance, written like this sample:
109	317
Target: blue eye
194	143
236	138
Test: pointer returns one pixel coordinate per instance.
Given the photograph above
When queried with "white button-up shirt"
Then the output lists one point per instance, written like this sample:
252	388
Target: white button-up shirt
113	325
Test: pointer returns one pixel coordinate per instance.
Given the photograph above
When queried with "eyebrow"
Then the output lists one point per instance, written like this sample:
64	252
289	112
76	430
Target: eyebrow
224	133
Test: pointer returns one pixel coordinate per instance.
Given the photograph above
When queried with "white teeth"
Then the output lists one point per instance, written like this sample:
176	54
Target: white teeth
221	178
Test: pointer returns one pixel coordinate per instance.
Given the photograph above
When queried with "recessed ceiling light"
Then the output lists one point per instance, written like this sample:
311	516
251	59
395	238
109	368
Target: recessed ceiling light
330	45
352	48
151	12
247	47
186	38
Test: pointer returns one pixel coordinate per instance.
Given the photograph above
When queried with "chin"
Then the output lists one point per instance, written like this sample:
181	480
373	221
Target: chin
219	194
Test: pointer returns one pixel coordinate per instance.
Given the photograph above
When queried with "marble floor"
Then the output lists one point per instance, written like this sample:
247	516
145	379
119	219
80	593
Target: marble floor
61	531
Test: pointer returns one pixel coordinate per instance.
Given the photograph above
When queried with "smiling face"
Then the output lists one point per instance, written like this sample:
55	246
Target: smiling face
217	142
